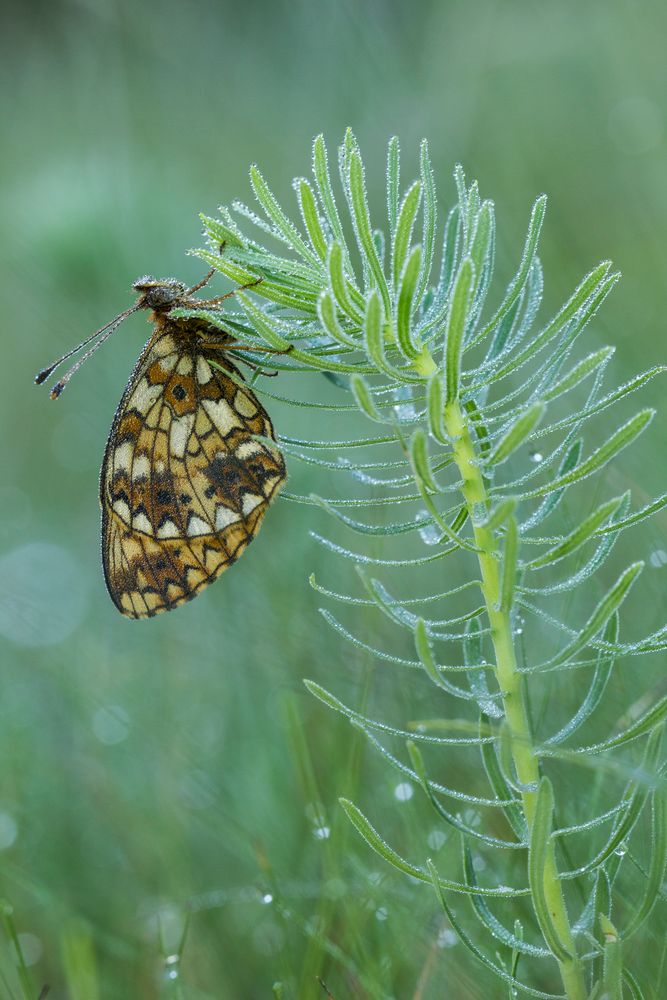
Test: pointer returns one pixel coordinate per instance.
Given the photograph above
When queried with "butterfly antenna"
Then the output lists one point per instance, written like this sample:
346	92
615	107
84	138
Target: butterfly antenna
103	333
110	326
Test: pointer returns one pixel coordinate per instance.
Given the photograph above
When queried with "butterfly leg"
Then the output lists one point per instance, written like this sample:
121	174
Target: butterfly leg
205	280
207	303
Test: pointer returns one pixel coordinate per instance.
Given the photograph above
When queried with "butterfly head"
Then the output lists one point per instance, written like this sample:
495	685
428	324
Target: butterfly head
159	294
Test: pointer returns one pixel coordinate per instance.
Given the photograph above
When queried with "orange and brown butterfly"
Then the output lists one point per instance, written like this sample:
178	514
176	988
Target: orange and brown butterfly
185	482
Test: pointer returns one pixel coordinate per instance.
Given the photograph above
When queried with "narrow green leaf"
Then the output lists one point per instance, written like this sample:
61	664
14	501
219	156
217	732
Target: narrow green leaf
261	323
551	501
658	864
456	325
326	312
601	615
488	919
364	399
537	859
513	811
404	227
580	371
510	558
374	337
603	669
311	219
275	213
375	841
435	410
340	286
497	970
420	462
481	244
522	427
500	513
430	202
570	320
640	515
654	717
363	228
327	200
472	654
624	436
380	846
527	257
612	968
425	654
393	182
406	297
581	534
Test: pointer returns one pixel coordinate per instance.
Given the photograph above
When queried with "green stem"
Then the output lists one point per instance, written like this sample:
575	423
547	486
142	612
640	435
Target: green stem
510	681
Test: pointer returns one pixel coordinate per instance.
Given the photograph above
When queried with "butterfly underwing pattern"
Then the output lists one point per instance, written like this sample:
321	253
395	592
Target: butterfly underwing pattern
185	483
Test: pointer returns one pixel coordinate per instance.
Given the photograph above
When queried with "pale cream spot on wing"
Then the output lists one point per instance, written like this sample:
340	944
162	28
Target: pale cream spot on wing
165	418
126	601
122	456
165	345
248	448
144	396
167	530
159	466
123	511
212	559
132	549
250	501
196	526
269	484
141	523
181	429
222	415
244	404
202	422
168	362
141	466
204	373
184	366
152	599
224	517
194	576
174	592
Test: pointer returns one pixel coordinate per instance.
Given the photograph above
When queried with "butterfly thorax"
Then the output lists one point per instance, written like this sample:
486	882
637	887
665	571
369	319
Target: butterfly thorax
165	295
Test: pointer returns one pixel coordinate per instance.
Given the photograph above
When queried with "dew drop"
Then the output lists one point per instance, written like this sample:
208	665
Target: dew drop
404	791
8	830
428	532
436	839
658	558
381	913
621	850
267	898
536	456
446	938
321	832
110	724
31	948
479	513
404	409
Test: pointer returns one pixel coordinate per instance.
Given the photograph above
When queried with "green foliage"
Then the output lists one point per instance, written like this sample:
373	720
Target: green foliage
477	428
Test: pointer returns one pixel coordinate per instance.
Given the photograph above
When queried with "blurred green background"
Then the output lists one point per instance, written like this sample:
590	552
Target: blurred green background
150	766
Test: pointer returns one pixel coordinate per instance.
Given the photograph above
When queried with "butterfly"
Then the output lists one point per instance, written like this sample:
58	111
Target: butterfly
185	483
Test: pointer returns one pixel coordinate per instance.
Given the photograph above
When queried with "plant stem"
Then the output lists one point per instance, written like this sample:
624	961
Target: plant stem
510	681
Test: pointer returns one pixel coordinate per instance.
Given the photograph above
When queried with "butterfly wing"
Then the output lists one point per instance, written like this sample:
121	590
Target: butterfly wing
184	485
